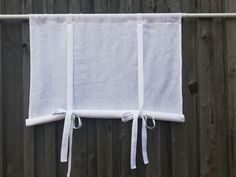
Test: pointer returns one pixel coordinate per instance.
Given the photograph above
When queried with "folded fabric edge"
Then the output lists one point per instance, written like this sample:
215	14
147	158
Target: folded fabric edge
39	19
108	114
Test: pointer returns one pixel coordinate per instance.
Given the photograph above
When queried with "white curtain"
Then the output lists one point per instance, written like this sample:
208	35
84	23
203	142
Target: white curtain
125	66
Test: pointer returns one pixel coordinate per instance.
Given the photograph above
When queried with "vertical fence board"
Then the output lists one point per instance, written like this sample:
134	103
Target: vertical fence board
206	118
2	144
28	132
187	134
104	148
219	97
116	148
91	144
212	97
230	6
12	91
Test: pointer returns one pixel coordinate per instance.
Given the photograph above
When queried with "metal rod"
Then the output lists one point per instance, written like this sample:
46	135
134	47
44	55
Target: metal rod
208	15
184	15
14	17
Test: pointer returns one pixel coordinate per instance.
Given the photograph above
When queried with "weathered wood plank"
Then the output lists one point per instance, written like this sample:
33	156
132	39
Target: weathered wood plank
205	101
12	91
104	148
2	137
113	6
149	6
50	155
116	148
100	6
219	91
187	133
125	6
81	6
28	132
91	144
211	74
165	149
153	169
39	151
230	41
161	6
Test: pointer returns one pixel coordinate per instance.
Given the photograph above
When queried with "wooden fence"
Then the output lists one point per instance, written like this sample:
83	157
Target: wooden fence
203	146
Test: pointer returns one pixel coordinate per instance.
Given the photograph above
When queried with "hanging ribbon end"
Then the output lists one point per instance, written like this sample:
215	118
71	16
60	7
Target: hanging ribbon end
146	162
63	159
133	167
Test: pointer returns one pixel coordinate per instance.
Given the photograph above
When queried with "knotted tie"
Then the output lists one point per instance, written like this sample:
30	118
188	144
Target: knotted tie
72	121
134	137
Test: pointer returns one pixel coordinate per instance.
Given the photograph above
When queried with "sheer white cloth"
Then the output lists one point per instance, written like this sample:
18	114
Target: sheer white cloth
125	66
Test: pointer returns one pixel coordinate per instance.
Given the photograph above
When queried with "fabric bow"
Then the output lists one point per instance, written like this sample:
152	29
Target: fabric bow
67	136
134	137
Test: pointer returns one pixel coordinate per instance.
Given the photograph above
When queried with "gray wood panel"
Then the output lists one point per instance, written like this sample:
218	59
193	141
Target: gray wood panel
12	108
2	137
202	146
230	82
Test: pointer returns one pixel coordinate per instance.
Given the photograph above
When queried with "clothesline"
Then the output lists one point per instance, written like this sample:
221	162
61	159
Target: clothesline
184	15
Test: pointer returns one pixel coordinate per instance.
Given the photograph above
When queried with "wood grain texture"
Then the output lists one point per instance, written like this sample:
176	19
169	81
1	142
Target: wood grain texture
203	146
2	137
28	133
230	41
12	109
212	97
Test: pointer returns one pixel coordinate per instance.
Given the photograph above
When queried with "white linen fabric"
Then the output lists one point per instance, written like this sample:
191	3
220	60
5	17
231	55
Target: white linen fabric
124	66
